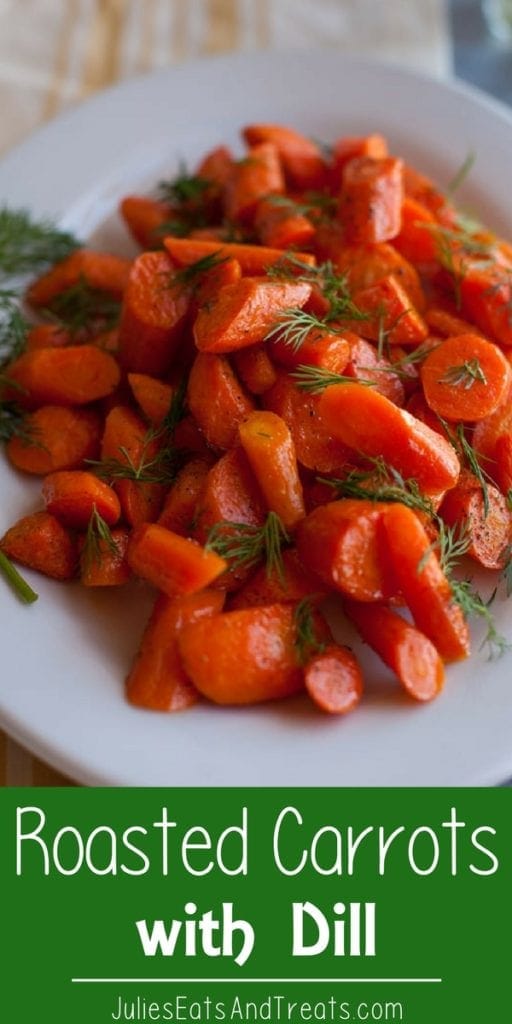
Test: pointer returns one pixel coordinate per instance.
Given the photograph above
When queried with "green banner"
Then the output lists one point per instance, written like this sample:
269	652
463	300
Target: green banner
256	905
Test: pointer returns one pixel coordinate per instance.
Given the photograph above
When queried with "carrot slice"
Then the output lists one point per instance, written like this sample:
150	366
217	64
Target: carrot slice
106	567
279	227
172	563
488	522
144	218
443	322
371	197
315	446
178	513
57	438
320	348
128	444
73	496
486	295
152	396
217	400
387	307
301	158
245	312
503	463
253	259
258	174
40	542
74	375
255	369
243	657
157	679
364	265
334	680
407	652
47	336
231	494
414	240
348	147
366	364
424	584
465	378
99	270
269	446
294	584
369	423
341	543
153	315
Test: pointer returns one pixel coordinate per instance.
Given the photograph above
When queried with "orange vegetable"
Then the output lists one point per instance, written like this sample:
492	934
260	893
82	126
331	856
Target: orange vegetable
331	351
372	425
407	652
153	315
258	174
98	269
295	584
127	444
334	680
217	400
488	524
231	494
75	375
486	294
255	369
503	463
465	378
209	284
269	446
447	324
245	312
172	563
315	446
152	396
253	259
40	542
345	149
365	265
301	158
157	679
47	336
365	364
387	307
243	657
415	241
58	438
144	218
282	228
371	197
106	567
180	505
341	543
72	496
424	584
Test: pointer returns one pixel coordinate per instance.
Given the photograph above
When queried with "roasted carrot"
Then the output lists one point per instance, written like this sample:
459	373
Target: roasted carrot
217	400
243	657
40	542
301	158
253	259
485	517
179	511
269	446
371	196
47	336
465	378
315	446
231	494
129	454
153	396
486	294
294	584
331	351
447	324
387	311
278	226
365	265
56	438
172	563
74	375
73	497
106	564
226	271
144	218
255	369
503	463
341	543
349	147
99	270
424	584
334	680
153	316
157	679
256	175
415	241
366	364
245	312
407	652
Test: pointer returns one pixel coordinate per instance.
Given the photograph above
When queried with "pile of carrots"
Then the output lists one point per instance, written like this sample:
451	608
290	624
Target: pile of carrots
304	391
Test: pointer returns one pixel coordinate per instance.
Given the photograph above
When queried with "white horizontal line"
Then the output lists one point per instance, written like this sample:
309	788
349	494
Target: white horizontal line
256	981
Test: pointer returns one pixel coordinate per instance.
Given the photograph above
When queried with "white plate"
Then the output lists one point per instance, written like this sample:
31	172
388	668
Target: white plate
63	659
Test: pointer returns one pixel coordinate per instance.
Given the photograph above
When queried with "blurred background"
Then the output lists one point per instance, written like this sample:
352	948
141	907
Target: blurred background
56	52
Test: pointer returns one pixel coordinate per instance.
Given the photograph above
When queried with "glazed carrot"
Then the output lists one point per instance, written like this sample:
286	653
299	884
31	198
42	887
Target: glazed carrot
341	543
130	452
98	269
387	308
253	259
414	240
465	378
302	159
315	446
422	189
74	375
255	369
153	315
216	167
331	351
347	148
47	336
503	463
189	438
488	521
178	513
172	563
258	174
418	408
40	542
217	400
231	494
72	497
144	218
366	364
279	227
157	679
269	446
57	439
424	584
447	324
294	584
407	652
245	312
152	396
334	680
106	566
371	196
488	430
365	265
243	657
227	271
486	293
369	423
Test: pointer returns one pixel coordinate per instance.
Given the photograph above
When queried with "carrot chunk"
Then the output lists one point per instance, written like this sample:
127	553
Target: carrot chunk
301	158
152	396
217	400
153	315
74	375
231	494
465	378
245	312
131	452
294	584
371	197
255	369
40	542
279	227
487	519
269	446
334	680
56	438
387	308
144	218
99	270
73	496
258	174
172	563
107	565
179	511
253	259
315	446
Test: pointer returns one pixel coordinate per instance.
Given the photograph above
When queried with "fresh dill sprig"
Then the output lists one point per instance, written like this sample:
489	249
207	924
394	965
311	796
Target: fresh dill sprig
15	580
402	366
461	174
28	245
286	266
158	468
13	327
244	545
194	271
13	423
381	482
316	379
293	327
334	287
176	410
465	374
469	456
184	188
306	641
98	540
80	306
